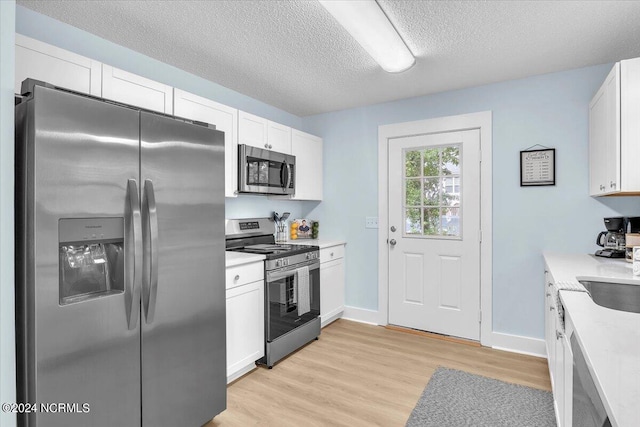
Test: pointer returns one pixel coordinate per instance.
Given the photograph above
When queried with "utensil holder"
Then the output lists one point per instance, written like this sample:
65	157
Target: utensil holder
281	232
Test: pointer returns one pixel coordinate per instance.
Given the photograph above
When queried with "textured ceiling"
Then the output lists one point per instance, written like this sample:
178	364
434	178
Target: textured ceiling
293	54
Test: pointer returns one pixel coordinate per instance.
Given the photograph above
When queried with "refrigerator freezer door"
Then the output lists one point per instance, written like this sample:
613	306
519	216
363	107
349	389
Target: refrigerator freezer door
74	161
183	345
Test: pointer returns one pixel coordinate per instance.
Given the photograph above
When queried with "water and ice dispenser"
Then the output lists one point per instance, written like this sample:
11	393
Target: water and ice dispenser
91	252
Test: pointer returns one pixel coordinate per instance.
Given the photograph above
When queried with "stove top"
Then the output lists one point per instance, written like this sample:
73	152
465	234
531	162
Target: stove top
275	250
255	235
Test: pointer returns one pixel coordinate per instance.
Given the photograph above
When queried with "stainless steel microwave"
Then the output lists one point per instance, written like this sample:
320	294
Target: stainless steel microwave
265	171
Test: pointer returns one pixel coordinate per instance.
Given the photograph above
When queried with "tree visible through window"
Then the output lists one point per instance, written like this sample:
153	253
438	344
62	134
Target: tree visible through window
432	188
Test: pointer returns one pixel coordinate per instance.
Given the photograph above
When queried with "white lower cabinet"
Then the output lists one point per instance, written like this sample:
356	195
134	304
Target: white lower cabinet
559	355
245	319
331	284
567	355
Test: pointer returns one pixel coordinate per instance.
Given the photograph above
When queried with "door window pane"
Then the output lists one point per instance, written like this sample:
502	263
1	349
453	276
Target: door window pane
431	221
451	161
432	187
412	194
432	191
412	163
413	221
431	162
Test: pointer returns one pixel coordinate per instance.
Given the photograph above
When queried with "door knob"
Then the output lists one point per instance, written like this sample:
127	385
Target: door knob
392	242
393	228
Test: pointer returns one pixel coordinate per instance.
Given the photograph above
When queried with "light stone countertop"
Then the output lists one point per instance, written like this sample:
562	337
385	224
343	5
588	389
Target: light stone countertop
317	242
609	339
233	259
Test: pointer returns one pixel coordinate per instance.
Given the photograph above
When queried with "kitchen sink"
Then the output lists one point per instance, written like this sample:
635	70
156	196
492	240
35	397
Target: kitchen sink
618	296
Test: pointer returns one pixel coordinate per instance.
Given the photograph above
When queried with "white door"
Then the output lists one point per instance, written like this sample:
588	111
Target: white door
434	233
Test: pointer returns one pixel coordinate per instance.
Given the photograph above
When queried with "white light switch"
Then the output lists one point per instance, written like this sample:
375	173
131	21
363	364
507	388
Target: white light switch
371	222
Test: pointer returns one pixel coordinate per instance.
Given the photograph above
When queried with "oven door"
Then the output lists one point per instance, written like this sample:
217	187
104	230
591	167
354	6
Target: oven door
283	303
265	171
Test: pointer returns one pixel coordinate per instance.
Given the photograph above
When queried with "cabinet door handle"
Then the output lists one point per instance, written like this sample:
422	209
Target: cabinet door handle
270	146
548	294
266	145
552	308
558	335
237	277
612	184
550	284
331	254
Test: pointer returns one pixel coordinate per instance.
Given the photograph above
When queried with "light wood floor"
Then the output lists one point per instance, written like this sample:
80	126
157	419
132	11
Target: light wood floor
362	375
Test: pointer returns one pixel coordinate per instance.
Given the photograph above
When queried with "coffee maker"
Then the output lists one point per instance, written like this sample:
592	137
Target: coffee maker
612	240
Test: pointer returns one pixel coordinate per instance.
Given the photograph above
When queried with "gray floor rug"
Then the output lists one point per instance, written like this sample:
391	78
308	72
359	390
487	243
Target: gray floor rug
455	398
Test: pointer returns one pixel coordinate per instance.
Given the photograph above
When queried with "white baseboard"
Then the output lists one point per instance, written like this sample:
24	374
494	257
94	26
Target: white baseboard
519	344
240	372
361	315
331	317
500	341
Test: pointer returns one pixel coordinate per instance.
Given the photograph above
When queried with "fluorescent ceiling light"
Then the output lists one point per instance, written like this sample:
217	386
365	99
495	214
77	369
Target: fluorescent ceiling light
368	24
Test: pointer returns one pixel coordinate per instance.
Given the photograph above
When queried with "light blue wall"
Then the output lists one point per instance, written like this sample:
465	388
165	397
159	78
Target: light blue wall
48	30
550	110
7	323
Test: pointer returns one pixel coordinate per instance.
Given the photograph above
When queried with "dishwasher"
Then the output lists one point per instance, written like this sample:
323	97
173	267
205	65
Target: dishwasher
588	409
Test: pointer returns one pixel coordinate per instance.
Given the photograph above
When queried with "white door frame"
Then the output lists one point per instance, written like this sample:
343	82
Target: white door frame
481	121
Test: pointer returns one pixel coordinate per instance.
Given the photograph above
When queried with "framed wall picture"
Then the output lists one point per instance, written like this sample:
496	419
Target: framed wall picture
538	167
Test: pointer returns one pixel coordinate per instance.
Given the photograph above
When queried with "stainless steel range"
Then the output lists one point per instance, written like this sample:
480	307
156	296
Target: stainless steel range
292	286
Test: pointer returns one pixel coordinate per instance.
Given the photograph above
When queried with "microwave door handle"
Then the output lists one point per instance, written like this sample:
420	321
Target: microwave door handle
150	293
288	176
283	179
133	254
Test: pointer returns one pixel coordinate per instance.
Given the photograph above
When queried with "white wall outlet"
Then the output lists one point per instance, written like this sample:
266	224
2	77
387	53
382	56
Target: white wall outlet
371	222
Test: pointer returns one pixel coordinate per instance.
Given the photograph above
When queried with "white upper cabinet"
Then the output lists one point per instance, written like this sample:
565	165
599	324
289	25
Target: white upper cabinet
252	130
41	61
225	119
262	133
614	132
630	125
279	137
308	175
59	67
604	136
129	88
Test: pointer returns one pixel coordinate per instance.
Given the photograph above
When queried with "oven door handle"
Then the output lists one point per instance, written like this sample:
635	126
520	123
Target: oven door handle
281	274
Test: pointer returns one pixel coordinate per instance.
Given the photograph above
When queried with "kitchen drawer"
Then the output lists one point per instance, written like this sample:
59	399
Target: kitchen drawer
331	253
243	274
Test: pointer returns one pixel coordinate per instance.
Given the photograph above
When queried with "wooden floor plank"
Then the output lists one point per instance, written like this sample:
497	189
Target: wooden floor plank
363	375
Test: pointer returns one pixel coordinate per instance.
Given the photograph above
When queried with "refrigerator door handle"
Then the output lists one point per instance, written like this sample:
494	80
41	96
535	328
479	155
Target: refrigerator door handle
150	237
133	252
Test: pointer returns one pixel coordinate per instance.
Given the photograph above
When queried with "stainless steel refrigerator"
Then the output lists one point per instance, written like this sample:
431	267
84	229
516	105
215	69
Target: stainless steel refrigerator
120	264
